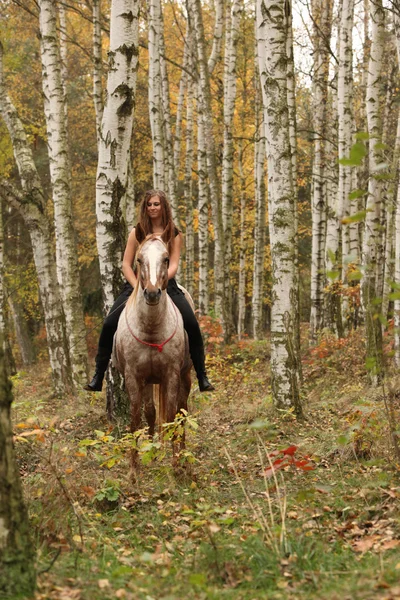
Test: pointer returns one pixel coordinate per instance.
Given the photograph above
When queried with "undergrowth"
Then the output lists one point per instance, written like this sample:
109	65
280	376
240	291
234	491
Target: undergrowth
269	507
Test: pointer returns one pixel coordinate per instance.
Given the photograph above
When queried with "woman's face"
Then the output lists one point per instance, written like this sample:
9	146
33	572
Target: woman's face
154	207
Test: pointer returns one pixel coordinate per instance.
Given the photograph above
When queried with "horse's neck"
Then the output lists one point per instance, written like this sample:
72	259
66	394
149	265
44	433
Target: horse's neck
151	318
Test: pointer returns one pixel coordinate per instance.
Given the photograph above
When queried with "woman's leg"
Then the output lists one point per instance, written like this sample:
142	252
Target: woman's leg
196	345
105	345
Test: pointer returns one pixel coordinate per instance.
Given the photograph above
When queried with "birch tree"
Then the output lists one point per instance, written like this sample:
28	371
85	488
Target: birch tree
115	138
60	173
272	31
234	12
397	217
31	204
195	12
188	192
322	23
370	284
155	101
97	66
17	554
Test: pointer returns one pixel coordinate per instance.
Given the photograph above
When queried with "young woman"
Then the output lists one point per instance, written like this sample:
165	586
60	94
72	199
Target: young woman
155	217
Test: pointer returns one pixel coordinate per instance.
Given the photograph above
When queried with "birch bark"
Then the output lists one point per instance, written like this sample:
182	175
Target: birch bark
97	67
345	126
60	174
203	212
370	281
234	12
188	192
322	24
114	147
204	82
397	218
155	101
272	25
31	205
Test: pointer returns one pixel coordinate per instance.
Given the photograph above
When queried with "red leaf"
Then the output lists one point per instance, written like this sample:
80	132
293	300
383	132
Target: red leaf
289	451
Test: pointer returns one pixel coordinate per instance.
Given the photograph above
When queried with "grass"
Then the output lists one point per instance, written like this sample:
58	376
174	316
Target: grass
201	537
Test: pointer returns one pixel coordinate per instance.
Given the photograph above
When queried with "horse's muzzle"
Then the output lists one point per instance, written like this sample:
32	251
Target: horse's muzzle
152	297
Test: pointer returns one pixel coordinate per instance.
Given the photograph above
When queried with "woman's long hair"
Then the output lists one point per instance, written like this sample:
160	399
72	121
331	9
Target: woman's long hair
143	228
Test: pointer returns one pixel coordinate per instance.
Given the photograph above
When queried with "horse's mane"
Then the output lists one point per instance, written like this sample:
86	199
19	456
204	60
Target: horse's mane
152	237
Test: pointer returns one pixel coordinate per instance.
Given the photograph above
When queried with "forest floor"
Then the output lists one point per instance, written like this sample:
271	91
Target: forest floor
327	526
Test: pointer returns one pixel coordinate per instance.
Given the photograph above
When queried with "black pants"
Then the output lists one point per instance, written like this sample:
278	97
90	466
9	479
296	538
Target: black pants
190	323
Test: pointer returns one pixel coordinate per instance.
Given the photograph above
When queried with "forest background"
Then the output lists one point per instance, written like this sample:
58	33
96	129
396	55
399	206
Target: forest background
276	138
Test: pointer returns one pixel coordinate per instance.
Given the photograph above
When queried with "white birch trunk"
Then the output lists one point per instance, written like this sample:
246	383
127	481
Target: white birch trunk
114	148
397	221
217	37
259	231
203	213
370	255
188	193
169	168
31	205
272	53
155	100
322	20
204	82
234	12
242	247
60	174
97	67
345	125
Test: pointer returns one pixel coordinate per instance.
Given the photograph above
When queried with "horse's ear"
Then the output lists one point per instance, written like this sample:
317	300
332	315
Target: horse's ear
140	234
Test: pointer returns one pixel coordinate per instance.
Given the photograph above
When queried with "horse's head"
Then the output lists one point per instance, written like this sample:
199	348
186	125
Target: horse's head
152	261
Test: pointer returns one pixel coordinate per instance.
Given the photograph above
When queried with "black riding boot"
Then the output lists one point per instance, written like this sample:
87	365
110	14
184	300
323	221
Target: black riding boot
199	366
102	360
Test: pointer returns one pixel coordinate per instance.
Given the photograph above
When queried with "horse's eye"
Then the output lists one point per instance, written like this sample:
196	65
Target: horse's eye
139	261
166	260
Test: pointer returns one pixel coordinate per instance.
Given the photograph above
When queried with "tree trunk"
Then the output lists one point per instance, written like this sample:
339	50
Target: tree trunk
17	554
322	22
188	193
195	10
114	147
155	99
60	173
242	247
370	284
203	213
345	137
272	31
31	205
97	67
234	12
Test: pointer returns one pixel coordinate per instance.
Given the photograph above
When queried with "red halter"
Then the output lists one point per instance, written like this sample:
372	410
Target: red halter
158	346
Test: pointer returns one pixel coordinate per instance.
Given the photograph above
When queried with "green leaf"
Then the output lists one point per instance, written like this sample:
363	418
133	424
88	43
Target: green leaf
357	152
362	135
260	424
356	218
357	194
343	440
333	274
354	276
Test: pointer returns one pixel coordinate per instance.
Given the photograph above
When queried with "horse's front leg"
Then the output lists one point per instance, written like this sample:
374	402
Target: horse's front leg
135	393
171	391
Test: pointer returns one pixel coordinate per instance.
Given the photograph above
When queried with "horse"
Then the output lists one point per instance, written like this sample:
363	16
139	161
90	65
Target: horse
151	346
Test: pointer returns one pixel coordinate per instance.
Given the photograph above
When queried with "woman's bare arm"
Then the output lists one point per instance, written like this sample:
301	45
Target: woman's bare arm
129	256
175	256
